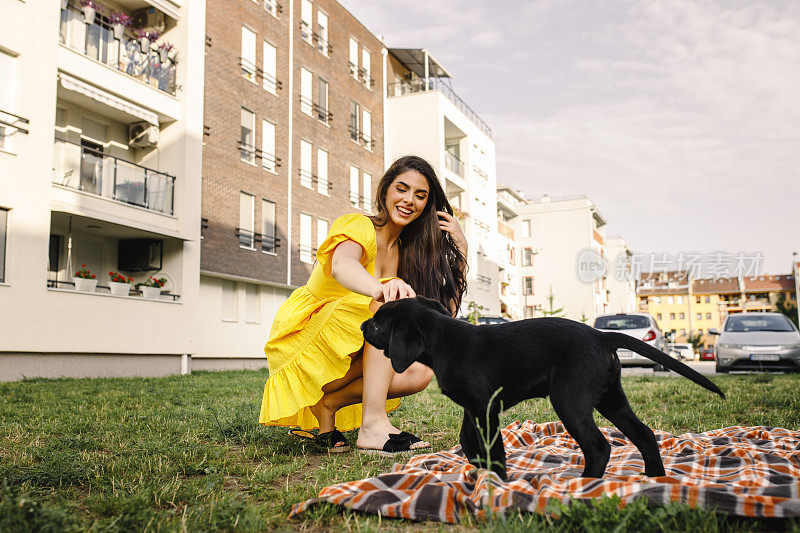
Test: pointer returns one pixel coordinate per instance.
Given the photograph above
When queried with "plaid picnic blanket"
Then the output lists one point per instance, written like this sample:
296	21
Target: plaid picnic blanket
746	471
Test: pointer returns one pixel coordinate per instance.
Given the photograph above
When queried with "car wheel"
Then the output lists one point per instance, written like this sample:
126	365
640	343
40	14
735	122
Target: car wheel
659	368
721	370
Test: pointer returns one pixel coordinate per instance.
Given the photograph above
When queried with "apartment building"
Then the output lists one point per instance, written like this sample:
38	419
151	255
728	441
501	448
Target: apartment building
424	116
687	307
620	280
293	138
563	248
509	201
100	147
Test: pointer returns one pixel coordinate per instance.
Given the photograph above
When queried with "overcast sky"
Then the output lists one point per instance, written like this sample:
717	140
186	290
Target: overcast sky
679	119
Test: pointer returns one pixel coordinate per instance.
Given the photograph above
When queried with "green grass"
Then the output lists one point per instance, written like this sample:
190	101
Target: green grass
187	453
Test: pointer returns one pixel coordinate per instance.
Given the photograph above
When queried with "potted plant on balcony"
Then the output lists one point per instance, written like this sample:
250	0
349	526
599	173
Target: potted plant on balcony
163	50
119	21
84	280
146	38
120	285
90	9
151	288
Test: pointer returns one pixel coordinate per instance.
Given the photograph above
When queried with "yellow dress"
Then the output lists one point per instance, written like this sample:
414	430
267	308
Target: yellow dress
314	333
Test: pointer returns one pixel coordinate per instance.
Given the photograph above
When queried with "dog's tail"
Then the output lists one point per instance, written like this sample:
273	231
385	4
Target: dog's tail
620	340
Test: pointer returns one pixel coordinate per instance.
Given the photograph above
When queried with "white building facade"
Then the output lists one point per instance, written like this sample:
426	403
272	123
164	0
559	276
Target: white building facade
425	117
620	279
509	203
562	244
100	150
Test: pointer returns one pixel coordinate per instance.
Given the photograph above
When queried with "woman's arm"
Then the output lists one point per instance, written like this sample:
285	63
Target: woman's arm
346	268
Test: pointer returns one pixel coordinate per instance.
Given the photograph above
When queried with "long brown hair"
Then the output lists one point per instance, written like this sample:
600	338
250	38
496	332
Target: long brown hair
429	260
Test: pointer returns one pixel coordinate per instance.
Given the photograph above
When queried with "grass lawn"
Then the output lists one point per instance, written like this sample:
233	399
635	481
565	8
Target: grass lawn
187	453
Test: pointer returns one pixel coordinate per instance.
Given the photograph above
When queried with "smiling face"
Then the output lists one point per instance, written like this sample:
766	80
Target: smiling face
406	197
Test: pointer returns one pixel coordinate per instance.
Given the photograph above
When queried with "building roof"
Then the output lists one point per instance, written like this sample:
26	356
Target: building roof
414	60
779	282
715	286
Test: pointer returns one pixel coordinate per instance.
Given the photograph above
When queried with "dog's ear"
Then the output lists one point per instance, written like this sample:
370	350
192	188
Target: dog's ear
433	304
405	347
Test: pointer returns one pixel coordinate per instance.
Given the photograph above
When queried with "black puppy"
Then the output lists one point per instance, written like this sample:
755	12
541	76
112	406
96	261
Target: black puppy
575	364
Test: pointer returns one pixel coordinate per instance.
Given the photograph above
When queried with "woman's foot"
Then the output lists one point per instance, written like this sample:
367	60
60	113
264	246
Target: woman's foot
375	436
326	419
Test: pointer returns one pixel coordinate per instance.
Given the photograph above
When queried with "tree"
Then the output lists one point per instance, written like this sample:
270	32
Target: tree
696	340
551	311
787	308
474	312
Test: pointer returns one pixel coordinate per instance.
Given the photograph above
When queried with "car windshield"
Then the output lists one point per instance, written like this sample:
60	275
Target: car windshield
622	322
743	323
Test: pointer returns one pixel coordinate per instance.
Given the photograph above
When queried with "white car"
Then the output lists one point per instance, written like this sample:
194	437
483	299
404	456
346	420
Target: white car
683	350
639	325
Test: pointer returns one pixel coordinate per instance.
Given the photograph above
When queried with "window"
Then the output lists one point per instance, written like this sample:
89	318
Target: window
528	285
306	177
365	65
681	316
247	138
657	299
699	316
251	303
528	311
7	98
306	103
658	316
271	7
306	20
354	186
322	230
91	167
367	192
322	101
679	299
248	54
246	209
672	316
670	300
366	129
354	58
683	331
322	40
53	252
526	227
708	316
697	299
229	300
268	159
269	77
267	227
322	172
355	116
527	257
3	230
708	299
306	254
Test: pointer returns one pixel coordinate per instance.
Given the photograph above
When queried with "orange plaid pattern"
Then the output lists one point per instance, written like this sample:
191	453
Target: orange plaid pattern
746	471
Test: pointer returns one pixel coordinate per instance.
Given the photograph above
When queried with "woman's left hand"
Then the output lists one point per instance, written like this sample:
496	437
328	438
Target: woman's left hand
448	223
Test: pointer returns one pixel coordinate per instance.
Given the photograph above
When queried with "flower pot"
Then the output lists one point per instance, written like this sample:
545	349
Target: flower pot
144	43
84	284
172	54
119	31
89	14
119	289
151	293
163	54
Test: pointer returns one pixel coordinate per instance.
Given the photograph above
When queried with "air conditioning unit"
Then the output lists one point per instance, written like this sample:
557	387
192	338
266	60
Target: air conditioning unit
149	17
142	134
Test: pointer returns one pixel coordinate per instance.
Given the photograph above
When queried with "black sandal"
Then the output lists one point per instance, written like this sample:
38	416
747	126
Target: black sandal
397	443
325	440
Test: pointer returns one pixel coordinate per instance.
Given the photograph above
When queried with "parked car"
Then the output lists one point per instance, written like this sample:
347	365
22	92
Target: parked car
483	320
707	354
683	350
758	341
639	325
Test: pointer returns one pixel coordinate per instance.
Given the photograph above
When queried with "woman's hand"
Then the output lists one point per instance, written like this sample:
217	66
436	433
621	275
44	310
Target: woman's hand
451	226
394	289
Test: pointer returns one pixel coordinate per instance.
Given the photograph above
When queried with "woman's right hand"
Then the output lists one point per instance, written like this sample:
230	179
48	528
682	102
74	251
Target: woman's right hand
394	289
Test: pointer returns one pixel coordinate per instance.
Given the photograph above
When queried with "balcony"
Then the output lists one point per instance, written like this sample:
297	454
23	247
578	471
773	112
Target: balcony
11	124
361	75
97	42
88	169
435	84
505	230
358	136
248	240
453	163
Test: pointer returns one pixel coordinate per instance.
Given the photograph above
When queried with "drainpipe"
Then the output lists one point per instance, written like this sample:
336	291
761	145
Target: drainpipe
289	162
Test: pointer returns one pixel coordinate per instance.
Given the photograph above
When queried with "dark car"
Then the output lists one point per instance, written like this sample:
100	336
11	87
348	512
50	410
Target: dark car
486	320
707	354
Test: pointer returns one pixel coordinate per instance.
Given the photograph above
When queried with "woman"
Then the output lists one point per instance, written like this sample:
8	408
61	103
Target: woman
320	367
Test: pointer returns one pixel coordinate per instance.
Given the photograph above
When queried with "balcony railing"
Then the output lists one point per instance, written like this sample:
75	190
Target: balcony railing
361	74
249	154
251	72
359	137
453	163
248	239
97	41
105	289
435	84
90	170
312	108
10	124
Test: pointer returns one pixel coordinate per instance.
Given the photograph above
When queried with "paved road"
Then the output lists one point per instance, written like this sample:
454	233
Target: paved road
704	367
